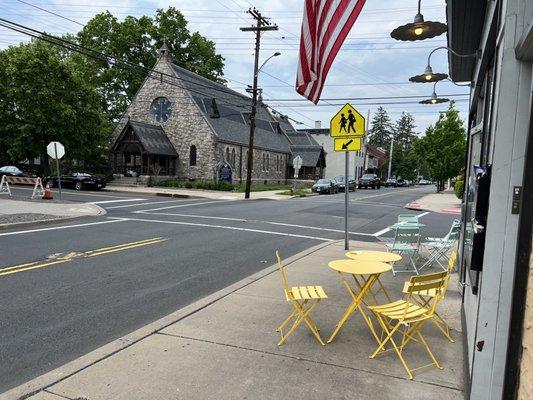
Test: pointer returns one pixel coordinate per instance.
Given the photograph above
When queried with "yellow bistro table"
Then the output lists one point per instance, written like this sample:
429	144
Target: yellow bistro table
365	274
373	255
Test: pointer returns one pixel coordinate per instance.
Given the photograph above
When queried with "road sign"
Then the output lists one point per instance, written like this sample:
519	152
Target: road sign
55	150
348	144
297	163
347	122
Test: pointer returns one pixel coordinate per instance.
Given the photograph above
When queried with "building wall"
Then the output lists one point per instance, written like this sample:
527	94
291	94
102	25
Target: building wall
525	390
272	171
335	163
185	127
487	313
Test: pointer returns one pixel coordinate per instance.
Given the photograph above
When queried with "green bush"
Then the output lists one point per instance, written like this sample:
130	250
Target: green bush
459	188
222	186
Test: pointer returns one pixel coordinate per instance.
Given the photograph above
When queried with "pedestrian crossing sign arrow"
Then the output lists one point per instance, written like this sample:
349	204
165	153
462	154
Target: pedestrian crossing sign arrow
347	122
348	144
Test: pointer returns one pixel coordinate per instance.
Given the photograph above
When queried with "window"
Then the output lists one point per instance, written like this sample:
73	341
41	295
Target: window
192	156
233	158
268	162
227	155
161	109
263	165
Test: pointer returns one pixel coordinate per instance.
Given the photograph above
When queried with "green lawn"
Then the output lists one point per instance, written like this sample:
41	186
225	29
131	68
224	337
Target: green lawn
223	186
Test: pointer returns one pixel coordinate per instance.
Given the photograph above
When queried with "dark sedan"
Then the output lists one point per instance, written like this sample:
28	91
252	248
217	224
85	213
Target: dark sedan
324	186
78	181
340	183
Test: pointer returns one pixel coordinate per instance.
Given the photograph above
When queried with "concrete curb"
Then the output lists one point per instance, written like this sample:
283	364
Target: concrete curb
65	371
101	211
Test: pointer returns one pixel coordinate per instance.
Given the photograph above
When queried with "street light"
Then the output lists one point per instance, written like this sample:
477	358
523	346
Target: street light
418	29
277	53
429	75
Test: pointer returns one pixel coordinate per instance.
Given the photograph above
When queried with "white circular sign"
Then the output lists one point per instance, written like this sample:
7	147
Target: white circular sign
54	147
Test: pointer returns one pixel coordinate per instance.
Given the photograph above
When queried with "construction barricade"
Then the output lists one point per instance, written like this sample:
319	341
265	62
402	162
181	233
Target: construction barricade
38	190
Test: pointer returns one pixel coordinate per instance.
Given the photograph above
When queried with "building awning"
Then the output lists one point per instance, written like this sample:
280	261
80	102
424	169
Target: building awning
152	138
465	26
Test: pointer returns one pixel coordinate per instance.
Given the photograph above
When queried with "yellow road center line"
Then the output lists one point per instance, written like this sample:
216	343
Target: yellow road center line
2	273
120	245
104	250
126	248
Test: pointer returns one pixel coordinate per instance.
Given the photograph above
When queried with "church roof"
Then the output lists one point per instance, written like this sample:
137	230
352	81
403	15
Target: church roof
152	138
228	112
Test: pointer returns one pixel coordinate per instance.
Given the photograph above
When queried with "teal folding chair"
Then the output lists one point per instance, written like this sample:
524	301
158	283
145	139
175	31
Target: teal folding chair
406	243
407	218
438	248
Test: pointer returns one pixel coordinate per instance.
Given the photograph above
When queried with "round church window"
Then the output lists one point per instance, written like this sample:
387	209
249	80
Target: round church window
161	109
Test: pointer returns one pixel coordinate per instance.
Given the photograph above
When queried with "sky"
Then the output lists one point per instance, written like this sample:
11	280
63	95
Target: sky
370	63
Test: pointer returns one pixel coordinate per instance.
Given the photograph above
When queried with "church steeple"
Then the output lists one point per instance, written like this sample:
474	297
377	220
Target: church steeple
164	52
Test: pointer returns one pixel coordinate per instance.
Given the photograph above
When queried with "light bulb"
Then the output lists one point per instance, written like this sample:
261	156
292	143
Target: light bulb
434	101
419	31
428	77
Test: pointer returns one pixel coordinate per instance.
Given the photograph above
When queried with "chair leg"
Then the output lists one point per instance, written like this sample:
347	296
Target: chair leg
303	315
428	350
291	316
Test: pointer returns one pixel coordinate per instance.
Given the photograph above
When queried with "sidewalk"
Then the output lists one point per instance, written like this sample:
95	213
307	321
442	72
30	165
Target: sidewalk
225	347
444	202
206	194
22	212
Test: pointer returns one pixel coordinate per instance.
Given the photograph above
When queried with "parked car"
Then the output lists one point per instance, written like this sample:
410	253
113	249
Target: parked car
340	183
424	182
324	186
78	181
401	183
391	182
369	180
11	170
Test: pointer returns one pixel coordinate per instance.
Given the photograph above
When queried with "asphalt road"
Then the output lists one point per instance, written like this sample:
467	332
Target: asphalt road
69	288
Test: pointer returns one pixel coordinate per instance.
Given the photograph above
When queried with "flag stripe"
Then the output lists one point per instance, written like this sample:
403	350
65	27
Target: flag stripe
325	25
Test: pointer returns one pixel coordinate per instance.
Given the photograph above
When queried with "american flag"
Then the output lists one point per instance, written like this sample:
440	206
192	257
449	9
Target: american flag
326	23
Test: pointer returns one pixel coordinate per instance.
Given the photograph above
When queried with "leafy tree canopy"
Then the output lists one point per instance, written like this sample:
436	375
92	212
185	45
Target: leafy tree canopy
444	146
137	40
42	98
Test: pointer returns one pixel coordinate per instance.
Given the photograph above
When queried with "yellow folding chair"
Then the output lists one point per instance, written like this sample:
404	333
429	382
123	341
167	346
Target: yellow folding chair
304	300
422	297
407	317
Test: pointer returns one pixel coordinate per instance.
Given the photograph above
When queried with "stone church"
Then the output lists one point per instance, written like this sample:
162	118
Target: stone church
183	125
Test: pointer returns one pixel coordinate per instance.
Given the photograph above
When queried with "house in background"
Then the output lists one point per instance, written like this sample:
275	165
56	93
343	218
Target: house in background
375	156
182	125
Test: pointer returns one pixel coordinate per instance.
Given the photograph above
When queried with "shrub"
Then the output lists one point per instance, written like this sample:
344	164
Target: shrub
459	188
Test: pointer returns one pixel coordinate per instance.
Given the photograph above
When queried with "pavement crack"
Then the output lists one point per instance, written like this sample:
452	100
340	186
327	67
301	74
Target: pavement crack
297	358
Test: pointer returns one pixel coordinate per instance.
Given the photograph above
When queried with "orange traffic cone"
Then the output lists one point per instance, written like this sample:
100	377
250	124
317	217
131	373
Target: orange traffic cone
48	195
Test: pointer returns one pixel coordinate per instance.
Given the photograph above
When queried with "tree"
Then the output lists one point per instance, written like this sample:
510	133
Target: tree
137	41
404	131
404	160
43	99
381	129
444	147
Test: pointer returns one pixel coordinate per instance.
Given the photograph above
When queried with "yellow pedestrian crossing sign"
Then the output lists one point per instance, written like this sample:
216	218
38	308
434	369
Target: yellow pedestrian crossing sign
347	122
348	144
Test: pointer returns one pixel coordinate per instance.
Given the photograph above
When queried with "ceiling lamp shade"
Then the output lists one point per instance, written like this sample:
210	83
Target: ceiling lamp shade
419	29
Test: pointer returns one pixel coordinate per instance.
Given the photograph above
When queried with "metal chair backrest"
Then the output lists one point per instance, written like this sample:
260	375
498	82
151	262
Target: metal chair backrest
407	218
421	284
407	234
282	271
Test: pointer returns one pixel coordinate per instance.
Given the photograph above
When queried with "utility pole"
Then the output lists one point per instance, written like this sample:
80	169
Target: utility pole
262	24
390	156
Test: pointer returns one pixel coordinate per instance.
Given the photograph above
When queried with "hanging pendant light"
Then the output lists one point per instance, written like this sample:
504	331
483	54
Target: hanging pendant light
434	99
419	29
